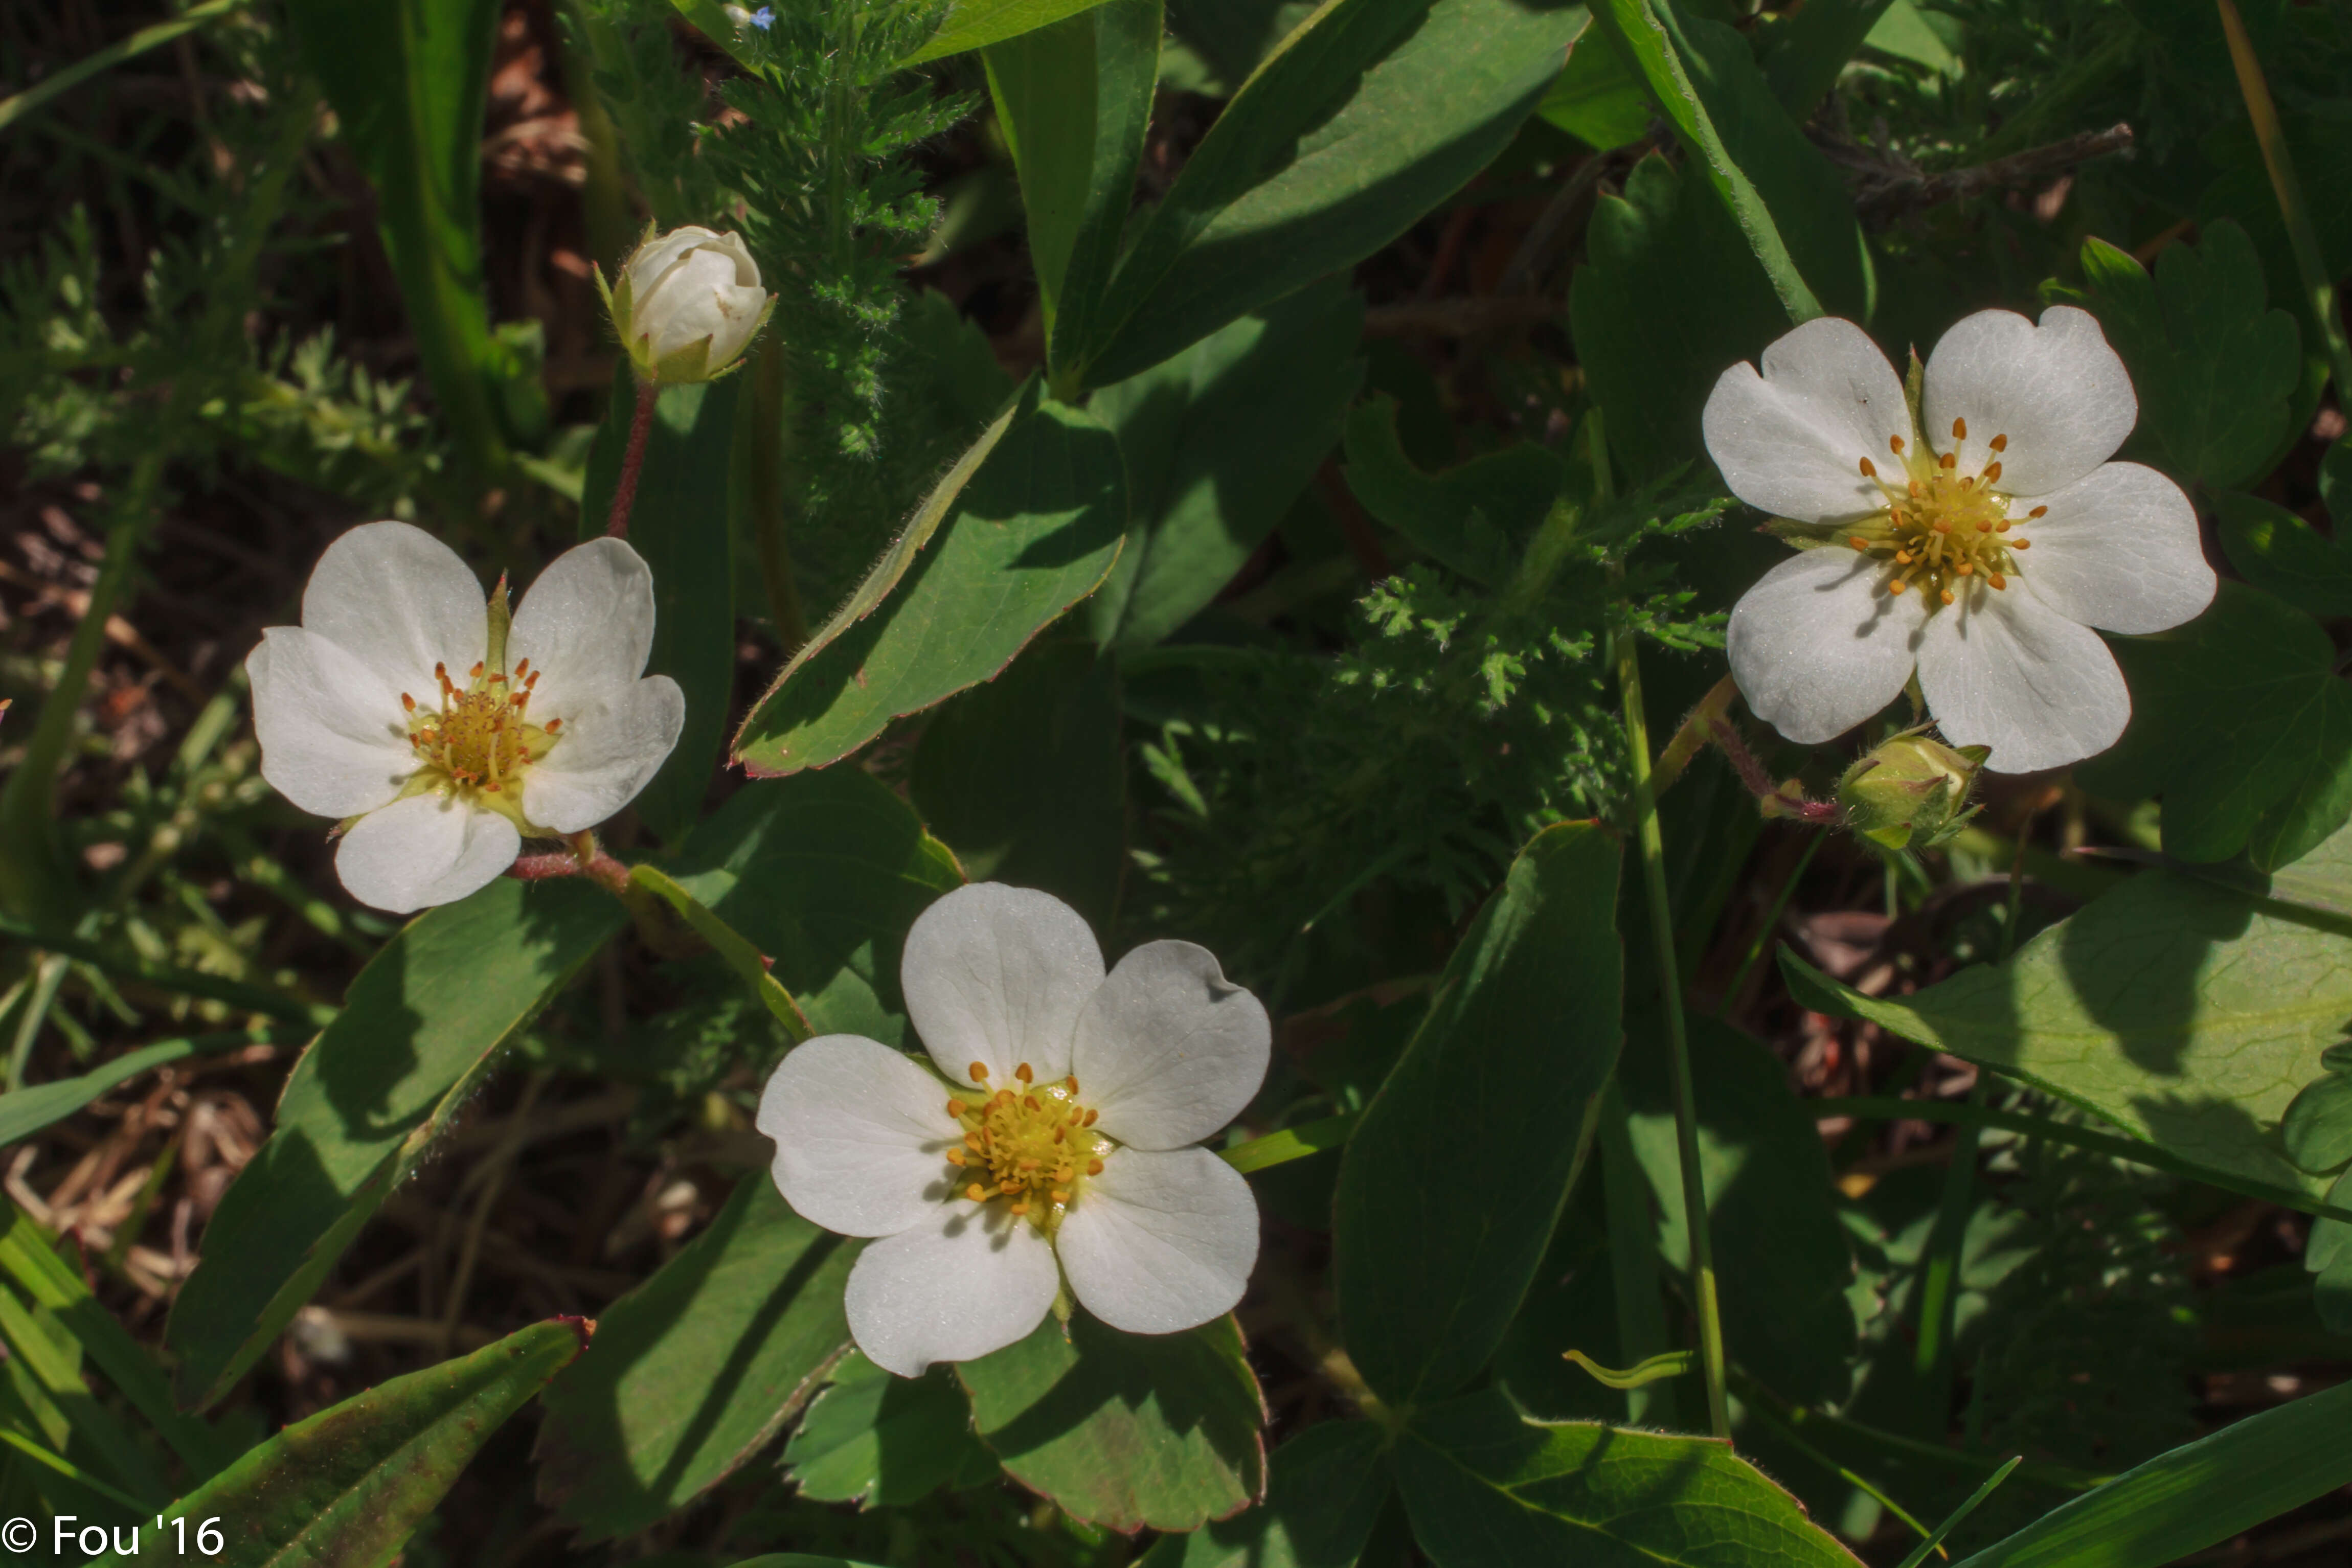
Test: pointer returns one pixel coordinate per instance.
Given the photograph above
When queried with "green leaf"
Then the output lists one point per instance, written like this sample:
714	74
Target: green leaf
1789	203
1497	1092
1218	442
409	80
697	1369
1665	301
2179	1011
1363	119
1597	99
1486	1489
822	873
1125	1430
1804	51
418	1032
1781	1258
2214	368
2280	554
2239	724
1475	517
1323	1497
750	965
1035	531
883	1441
1074	99
346	1488
679	523
39	1349
2317	1126
1023	778
976	23
26	1111
2199	1495
892	569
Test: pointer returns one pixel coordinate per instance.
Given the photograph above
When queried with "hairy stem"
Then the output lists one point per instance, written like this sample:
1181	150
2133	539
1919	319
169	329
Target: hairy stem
625	489
1662	942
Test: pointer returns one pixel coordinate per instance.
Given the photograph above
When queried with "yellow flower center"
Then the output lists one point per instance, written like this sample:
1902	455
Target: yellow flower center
1031	1143
480	741
1941	528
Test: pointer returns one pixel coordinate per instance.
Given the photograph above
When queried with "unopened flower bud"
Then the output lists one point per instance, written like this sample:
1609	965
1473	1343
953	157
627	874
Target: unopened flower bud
1912	792
687	304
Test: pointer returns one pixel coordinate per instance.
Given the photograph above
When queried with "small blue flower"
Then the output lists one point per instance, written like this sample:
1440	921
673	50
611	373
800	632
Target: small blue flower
764	17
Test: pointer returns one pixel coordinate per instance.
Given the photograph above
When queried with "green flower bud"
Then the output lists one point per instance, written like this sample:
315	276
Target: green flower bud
687	304
1912	792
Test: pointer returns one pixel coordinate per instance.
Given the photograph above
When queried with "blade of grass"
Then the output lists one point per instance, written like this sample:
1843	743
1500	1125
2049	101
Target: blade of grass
1935	1542
261	999
1290	1144
16	108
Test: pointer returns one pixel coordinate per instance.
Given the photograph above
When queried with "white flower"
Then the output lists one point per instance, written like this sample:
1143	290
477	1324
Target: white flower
392	704
687	304
1923	561
1067	1127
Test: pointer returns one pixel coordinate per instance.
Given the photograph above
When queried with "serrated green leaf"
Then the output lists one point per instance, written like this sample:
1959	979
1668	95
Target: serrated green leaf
2241	724
1487	1489
1035	531
1518	1045
679	524
1475	517
2280	554
2179	1011
1325	1490
1369	115
1666	299
1023	778
2197	1496
1782	1260
420	1028
2317	1126
883	1441
1219	441
2215	367
1125	1430
1074	99
697	1369
346	1488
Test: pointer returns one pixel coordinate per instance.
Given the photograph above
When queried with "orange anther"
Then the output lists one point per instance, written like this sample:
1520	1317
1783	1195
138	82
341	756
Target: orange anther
1071	1082
1998	581
2000	444
955	1155
1898	586
1092	1117
1858	542
976	1192
979	1070
1993	473
553	725
1894	444
2021	544
2039	512
1959	430
955	1108
1094	1167
1948	460
1020	1208
1947	596
1869	469
477	670
1024	1074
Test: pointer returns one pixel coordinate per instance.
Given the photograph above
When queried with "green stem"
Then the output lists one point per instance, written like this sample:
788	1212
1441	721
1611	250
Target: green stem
767	431
2319	289
1662	941
1771	922
1632	1261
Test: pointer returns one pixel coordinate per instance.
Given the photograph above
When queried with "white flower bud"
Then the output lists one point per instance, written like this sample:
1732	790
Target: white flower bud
687	304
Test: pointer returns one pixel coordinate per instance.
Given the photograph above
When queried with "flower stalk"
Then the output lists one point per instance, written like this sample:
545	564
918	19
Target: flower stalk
633	461
1661	943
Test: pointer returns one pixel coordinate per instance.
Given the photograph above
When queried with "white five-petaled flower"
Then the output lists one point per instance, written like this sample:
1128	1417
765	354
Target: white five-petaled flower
395	702
1923	530
686	303
1059	1138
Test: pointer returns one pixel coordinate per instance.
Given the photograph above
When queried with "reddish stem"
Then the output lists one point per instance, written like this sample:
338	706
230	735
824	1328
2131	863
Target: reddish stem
625	492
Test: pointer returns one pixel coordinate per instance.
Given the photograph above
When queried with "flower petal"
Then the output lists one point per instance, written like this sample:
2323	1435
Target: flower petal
997	975
604	756
2005	670
656	255
1168	1049
861	1133
2057	391
400	601
1818	644
424	851
1161	1241
586	626
968	1280
332	739
1791	441
2119	549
